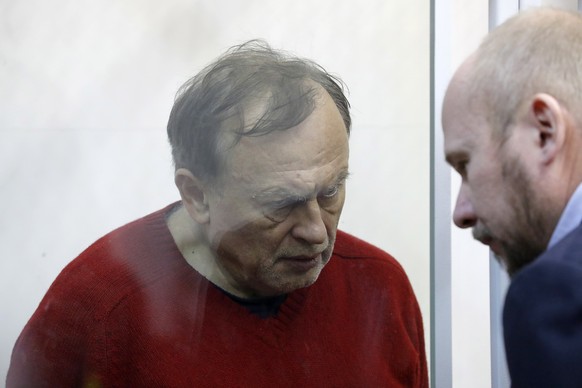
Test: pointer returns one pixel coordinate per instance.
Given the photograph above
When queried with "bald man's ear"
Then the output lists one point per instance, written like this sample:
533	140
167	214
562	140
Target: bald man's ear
549	118
194	195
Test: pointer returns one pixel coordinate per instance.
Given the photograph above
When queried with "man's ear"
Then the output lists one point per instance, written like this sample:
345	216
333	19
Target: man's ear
194	195
550	120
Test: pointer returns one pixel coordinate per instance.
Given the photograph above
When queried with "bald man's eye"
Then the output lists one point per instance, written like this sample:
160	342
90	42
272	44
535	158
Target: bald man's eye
461	167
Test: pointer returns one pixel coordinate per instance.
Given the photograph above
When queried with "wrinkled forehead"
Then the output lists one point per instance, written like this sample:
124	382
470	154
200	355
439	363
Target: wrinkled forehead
320	141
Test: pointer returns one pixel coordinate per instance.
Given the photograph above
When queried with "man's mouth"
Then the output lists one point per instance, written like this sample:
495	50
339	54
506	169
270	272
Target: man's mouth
492	243
483	235
303	262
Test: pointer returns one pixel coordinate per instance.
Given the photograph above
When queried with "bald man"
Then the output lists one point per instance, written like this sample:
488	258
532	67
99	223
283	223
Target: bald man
512	121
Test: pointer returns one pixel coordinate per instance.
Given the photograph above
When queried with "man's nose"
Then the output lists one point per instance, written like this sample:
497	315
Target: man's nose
464	214
309	225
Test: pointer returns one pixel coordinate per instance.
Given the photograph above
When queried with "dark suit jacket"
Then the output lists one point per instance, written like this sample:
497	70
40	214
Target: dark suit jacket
542	318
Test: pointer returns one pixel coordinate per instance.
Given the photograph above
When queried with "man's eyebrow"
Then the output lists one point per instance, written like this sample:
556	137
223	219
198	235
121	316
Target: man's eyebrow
339	180
343	175
281	192
275	192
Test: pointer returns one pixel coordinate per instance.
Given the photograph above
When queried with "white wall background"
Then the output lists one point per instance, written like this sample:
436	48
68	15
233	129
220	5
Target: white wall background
86	88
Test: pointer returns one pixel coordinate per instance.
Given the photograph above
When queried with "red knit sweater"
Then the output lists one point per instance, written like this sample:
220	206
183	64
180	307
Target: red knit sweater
130	312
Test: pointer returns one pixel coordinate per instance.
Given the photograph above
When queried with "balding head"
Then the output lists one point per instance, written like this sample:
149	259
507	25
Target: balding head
536	51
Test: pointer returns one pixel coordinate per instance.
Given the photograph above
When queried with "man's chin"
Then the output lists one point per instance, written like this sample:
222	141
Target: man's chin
501	260
512	264
297	284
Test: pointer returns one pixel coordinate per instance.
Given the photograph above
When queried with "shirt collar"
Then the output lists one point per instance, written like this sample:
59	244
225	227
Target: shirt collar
570	218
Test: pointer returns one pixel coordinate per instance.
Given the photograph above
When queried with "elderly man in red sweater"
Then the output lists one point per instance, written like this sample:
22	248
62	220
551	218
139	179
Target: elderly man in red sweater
245	282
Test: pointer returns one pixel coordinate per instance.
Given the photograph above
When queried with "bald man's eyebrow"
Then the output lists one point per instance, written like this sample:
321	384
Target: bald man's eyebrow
453	157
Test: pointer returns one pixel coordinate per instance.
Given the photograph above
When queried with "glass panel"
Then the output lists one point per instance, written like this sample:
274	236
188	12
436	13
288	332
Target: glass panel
87	88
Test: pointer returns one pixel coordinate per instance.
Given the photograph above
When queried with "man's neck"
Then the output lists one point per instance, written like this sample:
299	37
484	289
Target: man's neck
570	217
193	244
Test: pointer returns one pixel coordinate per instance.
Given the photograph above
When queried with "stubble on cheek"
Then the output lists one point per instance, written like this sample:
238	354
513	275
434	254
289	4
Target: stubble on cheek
531	226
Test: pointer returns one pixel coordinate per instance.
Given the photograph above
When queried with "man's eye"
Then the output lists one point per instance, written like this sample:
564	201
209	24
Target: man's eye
278	211
331	192
282	204
277	215
461	168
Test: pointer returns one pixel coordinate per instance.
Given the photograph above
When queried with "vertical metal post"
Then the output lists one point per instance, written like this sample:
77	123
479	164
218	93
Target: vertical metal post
440	196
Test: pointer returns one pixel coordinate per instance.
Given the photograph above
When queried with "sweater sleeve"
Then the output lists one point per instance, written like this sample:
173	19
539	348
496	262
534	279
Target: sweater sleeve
66	343
423	367
384	292
415	328
53	348
50	350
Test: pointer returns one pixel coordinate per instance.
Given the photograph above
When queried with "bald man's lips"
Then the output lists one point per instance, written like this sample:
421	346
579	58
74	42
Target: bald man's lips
491	243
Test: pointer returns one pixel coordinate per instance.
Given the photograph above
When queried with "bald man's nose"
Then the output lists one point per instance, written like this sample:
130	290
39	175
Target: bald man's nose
464	214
